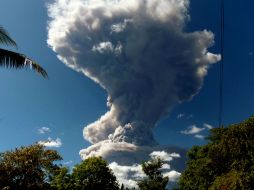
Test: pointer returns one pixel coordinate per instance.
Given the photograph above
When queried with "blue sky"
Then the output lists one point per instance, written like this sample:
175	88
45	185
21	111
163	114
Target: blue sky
68	101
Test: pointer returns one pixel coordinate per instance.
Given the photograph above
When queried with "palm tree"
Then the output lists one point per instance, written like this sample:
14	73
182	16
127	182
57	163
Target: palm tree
15	60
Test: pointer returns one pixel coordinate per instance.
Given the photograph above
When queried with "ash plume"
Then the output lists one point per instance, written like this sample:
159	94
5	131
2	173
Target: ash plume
140	53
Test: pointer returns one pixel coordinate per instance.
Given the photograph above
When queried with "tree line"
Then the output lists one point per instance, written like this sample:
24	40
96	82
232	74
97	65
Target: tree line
35	168
226	162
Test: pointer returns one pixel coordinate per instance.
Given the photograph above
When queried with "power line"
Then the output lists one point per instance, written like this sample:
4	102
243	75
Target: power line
221	77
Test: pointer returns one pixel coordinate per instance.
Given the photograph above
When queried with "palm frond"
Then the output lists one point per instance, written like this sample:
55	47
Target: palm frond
15	60
5	38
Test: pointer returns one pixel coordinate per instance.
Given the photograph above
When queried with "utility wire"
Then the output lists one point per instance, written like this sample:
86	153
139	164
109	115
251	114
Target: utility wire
221	77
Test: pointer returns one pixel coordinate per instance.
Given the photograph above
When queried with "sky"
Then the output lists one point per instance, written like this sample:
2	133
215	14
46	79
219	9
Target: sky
34	109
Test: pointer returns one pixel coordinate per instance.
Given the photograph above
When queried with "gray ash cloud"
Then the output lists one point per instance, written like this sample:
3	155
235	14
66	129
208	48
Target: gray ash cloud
139	52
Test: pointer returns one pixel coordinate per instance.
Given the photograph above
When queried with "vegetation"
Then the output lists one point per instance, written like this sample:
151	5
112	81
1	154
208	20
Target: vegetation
62	180
102	177
27	168
12	59
93	174
34	168
225	163
154	179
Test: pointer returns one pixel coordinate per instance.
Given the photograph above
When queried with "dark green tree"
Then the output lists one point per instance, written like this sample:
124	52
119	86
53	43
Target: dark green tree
94	174
27	168
225	163
154	179
12	59
62	180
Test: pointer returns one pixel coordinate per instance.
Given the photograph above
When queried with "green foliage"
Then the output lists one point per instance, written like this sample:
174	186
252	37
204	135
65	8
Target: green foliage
233	180
27	168
225	163
12	59
154	179
62	180
92	174
5	38
33	168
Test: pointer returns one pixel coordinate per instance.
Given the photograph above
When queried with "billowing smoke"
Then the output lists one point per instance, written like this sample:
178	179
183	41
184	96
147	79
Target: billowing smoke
138	51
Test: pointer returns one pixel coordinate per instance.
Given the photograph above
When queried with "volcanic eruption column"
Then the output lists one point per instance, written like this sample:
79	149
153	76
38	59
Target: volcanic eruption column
138	51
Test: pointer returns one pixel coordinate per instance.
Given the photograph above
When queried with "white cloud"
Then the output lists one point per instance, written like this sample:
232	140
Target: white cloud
51	143
165	167
127	175
208	126
173	176
198	136
125	158
164	155
44	130
67	163
192	130
181	115
175	155
195	131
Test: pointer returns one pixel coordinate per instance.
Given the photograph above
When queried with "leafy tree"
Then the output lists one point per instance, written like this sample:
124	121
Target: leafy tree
11	59
62	180
225	163
27	168
154	179
92	174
